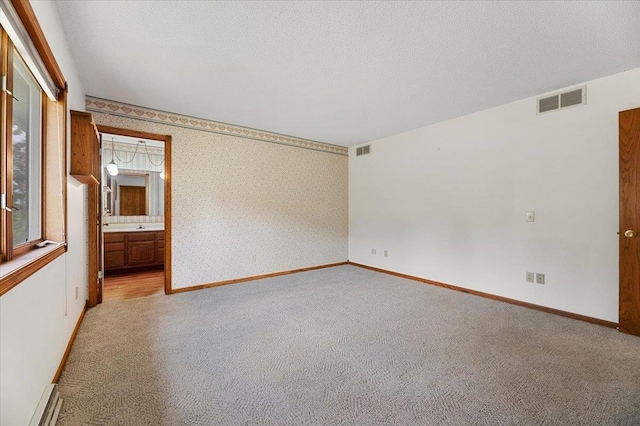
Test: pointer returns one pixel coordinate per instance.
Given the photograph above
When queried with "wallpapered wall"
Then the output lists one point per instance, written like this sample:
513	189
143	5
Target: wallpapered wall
242	207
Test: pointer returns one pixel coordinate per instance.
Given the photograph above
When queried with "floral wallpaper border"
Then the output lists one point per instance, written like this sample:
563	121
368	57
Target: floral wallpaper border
140	113
131	148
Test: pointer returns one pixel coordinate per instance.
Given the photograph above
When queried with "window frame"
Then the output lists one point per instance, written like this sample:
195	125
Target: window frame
12	250
24	261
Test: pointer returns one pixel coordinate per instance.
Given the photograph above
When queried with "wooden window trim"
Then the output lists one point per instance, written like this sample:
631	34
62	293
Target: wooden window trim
20	274
6	175
14	251
32	26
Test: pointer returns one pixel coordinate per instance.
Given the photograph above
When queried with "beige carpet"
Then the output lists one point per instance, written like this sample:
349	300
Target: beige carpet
344	346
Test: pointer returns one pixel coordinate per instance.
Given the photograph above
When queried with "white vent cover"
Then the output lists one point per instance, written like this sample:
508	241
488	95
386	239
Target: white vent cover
563	100
363	150
48	409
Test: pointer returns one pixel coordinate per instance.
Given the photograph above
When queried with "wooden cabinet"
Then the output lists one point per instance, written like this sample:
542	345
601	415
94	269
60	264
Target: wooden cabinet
127	250
114	251
160	251
85	148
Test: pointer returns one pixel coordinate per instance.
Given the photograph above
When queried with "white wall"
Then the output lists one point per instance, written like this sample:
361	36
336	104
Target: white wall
37	317
449	200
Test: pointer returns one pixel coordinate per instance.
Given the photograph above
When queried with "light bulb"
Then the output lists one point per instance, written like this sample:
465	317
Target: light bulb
112	168
162	174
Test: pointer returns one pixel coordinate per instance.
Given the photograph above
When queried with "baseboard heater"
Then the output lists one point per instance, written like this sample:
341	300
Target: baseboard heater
48	408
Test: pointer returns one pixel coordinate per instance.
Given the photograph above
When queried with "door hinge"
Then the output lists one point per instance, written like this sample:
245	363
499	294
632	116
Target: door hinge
99	275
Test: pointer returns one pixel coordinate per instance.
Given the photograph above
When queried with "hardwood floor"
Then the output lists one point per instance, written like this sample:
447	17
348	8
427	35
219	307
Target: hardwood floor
130	286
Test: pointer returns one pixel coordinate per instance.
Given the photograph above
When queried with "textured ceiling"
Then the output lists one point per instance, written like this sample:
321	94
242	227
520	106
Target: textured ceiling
343	72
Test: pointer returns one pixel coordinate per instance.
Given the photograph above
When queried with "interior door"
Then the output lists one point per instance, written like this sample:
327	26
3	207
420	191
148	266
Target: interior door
629	131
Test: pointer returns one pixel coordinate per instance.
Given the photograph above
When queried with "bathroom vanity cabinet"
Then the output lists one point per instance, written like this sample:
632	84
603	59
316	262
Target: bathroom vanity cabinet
124	251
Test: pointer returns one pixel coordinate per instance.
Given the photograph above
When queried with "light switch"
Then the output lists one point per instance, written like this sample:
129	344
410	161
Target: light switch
531	216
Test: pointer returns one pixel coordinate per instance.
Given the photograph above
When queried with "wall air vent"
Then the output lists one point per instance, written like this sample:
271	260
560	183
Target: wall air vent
363	150
562	100
548	104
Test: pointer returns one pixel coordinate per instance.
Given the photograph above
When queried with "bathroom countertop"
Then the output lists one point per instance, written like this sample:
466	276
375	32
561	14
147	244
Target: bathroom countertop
108	229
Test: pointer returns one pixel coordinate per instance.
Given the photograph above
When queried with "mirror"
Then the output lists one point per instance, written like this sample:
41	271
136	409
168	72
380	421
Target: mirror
138	188
131	194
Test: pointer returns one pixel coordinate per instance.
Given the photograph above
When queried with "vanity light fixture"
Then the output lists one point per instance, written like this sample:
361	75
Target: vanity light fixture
112	167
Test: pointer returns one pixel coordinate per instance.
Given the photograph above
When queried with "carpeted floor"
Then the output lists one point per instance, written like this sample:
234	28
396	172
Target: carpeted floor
341	346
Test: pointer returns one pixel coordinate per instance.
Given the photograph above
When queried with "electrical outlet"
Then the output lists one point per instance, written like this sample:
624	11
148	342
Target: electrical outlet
386	253
539	278
373	251
76	293
530	277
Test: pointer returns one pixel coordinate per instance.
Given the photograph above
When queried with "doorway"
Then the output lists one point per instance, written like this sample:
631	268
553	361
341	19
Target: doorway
132	205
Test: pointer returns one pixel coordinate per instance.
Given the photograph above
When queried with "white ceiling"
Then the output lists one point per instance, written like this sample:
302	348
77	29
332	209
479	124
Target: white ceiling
343	72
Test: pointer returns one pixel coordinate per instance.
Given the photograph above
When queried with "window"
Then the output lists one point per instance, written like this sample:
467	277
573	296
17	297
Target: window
23	108
26	154
33	117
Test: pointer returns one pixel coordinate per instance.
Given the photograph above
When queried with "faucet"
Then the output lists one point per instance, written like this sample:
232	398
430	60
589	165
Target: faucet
140	227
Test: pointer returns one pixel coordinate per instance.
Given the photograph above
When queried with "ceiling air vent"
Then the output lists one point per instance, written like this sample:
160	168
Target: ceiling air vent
562	100
363	150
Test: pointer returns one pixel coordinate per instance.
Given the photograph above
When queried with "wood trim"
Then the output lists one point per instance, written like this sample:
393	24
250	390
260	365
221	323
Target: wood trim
62	104
8	135
6	247
32	26
16	277
167	195
132	133
93	212
255	277
72	339
5	165
492	296
167	215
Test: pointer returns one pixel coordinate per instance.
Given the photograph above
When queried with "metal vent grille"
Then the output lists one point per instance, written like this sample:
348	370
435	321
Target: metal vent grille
548	104
363	150
563	100
571	98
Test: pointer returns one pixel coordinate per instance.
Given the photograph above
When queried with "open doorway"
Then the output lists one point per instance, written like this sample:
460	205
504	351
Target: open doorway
132	205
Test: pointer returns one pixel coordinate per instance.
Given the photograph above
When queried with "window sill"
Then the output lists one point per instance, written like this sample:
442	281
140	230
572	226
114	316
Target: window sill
22	267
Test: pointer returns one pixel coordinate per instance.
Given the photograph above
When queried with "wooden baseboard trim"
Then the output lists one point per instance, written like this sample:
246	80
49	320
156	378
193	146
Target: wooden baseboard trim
493	297
255	277
63	362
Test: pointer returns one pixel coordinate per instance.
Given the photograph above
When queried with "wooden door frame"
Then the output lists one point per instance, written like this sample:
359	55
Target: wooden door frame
95	192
